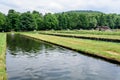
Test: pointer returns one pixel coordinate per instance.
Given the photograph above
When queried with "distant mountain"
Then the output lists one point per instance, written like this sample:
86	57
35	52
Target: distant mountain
84	11
87	12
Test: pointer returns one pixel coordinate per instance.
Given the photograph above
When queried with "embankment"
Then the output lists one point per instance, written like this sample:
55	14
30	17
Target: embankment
105	50
2	56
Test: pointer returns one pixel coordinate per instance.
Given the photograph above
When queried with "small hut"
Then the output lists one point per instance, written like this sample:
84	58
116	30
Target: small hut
103	28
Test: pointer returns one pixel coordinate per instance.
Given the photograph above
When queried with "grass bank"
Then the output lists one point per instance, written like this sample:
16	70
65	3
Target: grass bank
93	32
112	38
106	50
2	56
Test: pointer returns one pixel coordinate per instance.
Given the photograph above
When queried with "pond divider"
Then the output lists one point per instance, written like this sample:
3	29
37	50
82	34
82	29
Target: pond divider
83	37
111	60
3	75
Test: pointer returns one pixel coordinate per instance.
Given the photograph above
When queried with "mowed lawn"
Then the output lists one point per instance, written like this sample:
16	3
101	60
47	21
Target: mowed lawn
108	35
94	32
2	56
108	50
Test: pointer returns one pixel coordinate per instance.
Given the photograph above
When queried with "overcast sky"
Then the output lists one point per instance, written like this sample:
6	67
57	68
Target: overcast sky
44	6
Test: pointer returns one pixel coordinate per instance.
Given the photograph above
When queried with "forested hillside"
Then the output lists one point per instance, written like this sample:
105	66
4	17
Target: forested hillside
28	21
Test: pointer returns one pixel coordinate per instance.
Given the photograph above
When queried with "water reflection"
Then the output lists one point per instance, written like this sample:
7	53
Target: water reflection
18	44
35	60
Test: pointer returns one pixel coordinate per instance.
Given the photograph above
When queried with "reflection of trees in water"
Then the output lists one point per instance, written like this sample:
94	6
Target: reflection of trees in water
20	45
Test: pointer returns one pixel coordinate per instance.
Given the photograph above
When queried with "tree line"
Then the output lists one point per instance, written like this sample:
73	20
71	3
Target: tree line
29	21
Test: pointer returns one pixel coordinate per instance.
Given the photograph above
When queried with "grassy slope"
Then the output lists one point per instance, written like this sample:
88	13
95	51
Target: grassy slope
88	34
2	56
95	32
106	50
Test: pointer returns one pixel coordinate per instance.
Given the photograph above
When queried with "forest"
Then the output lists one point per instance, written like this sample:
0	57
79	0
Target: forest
29	21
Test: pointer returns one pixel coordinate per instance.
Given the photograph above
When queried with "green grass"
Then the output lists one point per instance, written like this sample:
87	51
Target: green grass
106	50
88	34
93	32
2	56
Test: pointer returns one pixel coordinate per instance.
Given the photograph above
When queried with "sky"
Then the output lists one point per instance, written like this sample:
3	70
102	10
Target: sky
54	6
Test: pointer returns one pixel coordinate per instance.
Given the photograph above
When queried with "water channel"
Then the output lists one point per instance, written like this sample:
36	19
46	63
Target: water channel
29	59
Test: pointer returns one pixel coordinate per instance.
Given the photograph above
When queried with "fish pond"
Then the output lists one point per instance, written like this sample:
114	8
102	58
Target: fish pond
28	59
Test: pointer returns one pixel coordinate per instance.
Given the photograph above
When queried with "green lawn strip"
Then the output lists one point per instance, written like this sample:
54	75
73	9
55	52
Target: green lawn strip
91	36
95	32
106	50
2	56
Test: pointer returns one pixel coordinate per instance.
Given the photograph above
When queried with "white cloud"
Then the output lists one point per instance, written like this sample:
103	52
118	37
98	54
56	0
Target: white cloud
108	6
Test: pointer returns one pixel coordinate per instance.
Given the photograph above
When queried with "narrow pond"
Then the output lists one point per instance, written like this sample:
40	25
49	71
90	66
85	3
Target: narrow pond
29	59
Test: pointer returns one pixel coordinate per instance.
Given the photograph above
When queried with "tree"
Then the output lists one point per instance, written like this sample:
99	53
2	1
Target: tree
103	20
83	22
63	21
50	21
72	20
27	22
110	21
38	17
92	22
13	20
118	23
2	21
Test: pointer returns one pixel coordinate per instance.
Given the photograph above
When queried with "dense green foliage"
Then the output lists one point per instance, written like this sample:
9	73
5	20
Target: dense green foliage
2	21
29	21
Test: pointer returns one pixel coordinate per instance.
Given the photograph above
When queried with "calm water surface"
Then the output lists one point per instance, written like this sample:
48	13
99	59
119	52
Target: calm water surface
36	60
